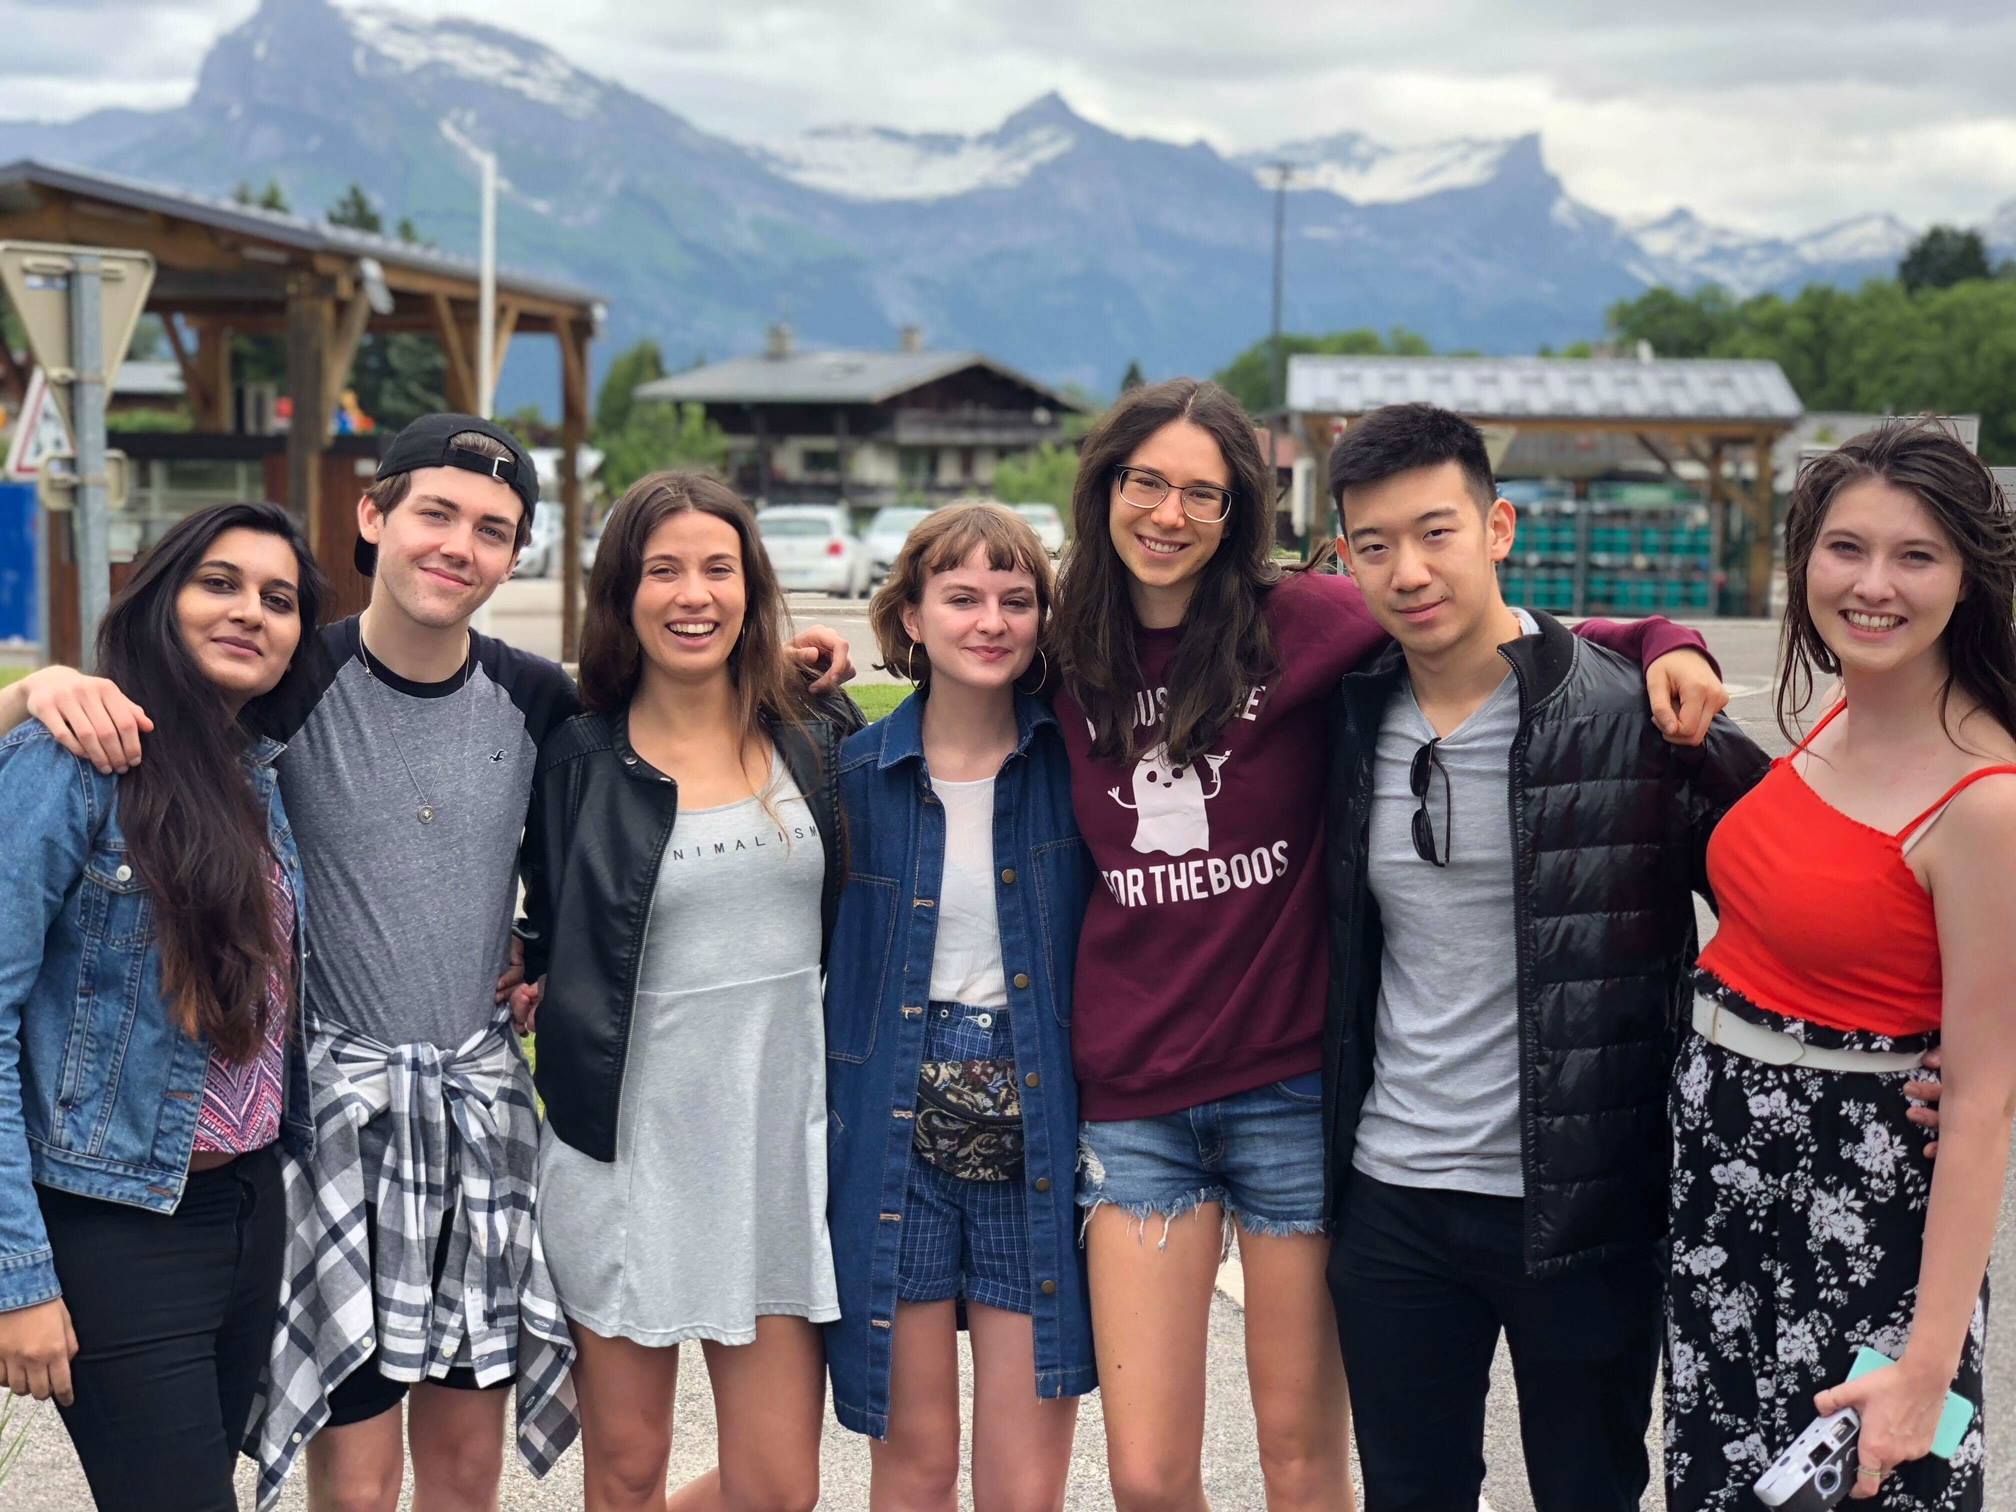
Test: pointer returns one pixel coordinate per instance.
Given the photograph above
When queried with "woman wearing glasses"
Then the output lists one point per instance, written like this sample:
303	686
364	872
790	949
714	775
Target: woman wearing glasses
1196	675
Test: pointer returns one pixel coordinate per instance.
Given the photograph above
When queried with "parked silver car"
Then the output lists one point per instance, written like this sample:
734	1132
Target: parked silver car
814	549
1047	522
887	532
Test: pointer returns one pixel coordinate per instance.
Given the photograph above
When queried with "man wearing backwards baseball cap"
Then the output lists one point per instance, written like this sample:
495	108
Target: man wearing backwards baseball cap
413	1261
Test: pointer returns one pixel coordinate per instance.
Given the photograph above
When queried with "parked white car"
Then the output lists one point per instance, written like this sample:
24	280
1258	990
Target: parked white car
814	549
541	556
887	532
1048	524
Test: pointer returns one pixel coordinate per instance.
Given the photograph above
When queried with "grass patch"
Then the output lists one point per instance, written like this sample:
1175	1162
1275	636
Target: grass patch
878	699
13	674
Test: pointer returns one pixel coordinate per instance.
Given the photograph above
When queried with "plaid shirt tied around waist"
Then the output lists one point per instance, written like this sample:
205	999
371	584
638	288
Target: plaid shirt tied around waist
460	1151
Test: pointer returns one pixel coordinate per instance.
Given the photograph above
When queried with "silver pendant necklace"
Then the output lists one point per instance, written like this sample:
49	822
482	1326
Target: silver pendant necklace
428	810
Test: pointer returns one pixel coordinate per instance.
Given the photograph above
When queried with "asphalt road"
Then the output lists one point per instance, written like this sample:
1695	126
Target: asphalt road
47	1479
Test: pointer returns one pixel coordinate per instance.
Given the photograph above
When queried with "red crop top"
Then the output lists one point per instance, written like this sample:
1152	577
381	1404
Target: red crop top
1822	918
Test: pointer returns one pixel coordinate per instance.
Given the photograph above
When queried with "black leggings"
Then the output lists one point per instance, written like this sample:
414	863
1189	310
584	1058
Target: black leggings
174	1316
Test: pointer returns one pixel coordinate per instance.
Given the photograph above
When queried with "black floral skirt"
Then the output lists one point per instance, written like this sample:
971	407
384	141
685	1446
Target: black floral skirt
1798	1208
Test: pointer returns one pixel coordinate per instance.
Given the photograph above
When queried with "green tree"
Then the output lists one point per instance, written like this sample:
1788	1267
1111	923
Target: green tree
1043	476
1675	325
656	436
638	365
1250	375
1132	378
1875	350
1942	257
353	208
272	197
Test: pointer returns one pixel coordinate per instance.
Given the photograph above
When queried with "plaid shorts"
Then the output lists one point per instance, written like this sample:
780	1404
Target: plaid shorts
965	1239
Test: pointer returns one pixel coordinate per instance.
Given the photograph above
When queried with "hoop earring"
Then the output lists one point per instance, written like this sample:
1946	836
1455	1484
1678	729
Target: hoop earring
1044	676
910	663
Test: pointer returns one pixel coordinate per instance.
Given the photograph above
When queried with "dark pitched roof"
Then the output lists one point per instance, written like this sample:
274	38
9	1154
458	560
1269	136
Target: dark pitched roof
19	179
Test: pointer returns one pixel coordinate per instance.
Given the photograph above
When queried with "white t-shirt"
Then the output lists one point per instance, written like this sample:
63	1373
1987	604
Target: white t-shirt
967	966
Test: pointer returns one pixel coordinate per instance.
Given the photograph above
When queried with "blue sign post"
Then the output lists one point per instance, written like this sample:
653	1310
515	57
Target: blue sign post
20	564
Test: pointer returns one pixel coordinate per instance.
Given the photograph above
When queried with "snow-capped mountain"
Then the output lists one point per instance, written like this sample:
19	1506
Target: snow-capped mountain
1051	242
1354	167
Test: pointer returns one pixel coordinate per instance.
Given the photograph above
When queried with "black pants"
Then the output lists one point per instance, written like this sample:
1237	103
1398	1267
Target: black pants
1423	1282
174	1316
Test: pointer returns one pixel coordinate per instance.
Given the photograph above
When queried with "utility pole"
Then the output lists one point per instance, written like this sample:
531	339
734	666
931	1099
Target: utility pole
486	301
1277	362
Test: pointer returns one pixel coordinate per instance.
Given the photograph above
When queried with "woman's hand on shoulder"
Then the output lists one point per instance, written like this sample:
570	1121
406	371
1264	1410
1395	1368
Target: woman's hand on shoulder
1687	693
823	649
89	716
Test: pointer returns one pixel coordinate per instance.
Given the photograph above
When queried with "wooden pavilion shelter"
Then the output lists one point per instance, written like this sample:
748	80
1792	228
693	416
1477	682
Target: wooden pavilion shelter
226	270
1717	413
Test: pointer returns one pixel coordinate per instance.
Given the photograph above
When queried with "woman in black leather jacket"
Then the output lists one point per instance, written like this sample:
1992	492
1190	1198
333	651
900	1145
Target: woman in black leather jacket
688	865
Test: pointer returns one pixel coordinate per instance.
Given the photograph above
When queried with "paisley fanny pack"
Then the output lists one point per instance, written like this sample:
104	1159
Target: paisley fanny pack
969	1119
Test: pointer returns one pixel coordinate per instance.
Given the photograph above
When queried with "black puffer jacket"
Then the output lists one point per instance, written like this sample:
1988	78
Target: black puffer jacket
1610	827
600	819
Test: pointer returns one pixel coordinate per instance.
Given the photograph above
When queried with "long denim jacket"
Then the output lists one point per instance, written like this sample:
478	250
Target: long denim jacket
878	981
99	1089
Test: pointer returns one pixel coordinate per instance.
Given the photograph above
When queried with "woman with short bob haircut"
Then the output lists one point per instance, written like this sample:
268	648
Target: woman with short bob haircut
1196	677
948	1001
1866	898
690	832
150	953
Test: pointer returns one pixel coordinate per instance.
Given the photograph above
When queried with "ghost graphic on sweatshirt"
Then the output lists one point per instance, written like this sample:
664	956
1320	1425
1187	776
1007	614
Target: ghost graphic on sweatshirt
1169	802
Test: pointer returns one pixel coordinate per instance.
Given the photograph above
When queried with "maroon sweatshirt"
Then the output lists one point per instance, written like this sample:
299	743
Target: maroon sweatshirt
1203	965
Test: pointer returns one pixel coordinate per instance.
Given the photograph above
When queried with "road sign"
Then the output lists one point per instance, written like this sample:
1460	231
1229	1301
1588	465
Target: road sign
36	278
39	434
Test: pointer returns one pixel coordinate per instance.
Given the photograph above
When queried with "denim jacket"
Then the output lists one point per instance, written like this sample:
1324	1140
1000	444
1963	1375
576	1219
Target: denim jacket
99	1089
878	982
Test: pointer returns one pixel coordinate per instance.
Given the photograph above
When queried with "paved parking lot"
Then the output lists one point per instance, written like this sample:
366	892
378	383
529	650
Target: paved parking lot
47	1479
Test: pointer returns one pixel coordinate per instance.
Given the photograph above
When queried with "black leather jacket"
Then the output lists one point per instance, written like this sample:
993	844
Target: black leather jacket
600	819
1610	827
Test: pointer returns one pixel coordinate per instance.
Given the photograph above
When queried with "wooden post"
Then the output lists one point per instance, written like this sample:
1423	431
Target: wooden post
342	356
573	434
461	374
310	318
213	361
1762	542
507	326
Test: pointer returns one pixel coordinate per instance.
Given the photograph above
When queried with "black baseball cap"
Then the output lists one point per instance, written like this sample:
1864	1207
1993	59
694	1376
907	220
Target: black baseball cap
427	442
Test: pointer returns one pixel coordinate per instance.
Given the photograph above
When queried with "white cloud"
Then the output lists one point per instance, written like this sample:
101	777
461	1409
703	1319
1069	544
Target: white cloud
1775	118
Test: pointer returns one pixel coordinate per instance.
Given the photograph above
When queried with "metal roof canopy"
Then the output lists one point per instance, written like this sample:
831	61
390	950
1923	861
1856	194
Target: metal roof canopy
228	270
829	377
1707	409
1611	392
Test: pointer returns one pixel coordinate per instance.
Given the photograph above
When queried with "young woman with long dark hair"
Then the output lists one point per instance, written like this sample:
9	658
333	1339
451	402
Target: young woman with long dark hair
690	828
1866	898
948	1006
1196	676
149	975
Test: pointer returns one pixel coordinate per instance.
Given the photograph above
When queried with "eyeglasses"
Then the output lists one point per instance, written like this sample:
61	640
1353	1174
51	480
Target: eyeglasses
1426	762
1202	502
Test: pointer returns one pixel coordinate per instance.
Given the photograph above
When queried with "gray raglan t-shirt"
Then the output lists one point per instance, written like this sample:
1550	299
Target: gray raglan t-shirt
1443	1110
409	923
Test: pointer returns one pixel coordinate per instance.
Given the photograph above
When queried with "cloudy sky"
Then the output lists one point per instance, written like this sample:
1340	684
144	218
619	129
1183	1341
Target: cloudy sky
1768	116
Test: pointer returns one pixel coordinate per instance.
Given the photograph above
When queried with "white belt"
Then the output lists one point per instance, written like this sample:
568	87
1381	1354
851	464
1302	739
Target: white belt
1732	1031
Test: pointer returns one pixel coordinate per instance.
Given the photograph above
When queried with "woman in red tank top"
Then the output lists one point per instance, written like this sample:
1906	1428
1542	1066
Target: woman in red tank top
1867	911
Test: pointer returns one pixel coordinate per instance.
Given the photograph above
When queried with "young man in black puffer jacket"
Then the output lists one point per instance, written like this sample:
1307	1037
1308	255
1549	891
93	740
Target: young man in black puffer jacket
1513	847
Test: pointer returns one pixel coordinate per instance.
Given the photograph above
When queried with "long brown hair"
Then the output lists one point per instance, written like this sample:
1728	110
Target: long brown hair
1225	647
939	543
768	686
1926	460
195	830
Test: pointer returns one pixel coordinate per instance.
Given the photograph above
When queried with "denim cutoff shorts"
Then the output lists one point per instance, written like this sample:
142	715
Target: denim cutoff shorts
965	1239
1258	1154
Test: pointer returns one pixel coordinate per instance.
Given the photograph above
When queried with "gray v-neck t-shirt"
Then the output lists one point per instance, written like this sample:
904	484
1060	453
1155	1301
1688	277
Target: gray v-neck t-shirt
1443	1110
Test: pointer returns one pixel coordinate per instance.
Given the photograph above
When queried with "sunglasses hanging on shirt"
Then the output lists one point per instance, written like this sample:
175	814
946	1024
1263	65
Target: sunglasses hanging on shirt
1427	762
